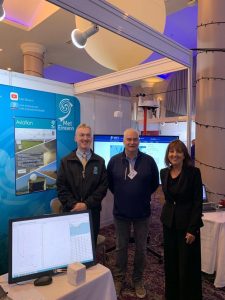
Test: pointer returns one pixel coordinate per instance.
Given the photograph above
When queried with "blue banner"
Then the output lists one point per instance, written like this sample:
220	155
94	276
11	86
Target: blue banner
67	116
37	130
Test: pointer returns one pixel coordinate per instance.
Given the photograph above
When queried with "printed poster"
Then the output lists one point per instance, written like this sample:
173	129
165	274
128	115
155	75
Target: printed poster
35	155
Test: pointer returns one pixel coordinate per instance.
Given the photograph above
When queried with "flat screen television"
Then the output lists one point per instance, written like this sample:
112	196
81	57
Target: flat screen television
41	245
109	145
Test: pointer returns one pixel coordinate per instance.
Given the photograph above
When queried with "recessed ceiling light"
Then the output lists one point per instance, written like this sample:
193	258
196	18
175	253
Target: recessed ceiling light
1	49
9	69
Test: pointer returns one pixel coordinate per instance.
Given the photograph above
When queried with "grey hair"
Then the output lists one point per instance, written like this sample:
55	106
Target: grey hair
131	129
83	125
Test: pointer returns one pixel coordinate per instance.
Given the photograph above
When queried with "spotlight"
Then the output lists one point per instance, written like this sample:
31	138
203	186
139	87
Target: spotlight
2	11
79	38
191	2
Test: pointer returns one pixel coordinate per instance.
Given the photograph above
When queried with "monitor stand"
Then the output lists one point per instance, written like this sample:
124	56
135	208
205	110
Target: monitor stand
43	280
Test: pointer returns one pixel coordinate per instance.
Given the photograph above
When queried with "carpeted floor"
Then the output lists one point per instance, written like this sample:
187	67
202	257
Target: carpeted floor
154	273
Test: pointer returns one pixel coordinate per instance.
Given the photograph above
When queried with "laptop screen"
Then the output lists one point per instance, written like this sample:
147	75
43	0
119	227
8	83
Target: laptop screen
40	244
204	194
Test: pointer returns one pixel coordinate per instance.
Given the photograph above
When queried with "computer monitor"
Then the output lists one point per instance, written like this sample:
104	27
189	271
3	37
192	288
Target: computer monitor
204	194
109	145
42	244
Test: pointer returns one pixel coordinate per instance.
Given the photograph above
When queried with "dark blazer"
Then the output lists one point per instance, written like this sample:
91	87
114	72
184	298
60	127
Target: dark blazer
185	209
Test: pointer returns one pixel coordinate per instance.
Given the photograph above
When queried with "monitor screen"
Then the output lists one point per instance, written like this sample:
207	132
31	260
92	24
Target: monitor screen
40	245
110	145
204	195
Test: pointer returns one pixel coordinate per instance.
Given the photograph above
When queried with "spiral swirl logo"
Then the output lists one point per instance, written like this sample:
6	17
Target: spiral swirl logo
65	107
53	124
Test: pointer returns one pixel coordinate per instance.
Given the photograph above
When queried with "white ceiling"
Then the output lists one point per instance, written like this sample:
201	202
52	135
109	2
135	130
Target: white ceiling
53	32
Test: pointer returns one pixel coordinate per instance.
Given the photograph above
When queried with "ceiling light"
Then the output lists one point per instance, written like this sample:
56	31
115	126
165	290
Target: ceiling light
2	11
191	2
79	38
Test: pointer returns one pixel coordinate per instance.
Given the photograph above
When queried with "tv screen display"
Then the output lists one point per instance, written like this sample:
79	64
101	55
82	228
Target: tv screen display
40	245
204	194
110	145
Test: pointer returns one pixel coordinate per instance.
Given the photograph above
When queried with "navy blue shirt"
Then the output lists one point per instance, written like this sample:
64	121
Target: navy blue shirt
132	196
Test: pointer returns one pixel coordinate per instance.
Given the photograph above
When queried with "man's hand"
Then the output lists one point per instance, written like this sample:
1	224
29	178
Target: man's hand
79	206
189	238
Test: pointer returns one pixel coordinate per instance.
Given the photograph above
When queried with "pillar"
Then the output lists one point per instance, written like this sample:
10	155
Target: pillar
33	58
210	97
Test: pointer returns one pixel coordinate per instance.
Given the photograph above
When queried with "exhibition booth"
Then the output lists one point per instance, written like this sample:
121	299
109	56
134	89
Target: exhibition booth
35	105
40	117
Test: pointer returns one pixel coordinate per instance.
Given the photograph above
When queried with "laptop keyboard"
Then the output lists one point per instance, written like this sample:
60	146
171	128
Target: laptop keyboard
210	206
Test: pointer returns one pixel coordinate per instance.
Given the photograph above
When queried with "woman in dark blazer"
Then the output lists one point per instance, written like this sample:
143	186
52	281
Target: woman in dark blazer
181	218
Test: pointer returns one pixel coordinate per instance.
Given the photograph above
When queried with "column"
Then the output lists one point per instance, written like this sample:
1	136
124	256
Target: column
33	58
210	97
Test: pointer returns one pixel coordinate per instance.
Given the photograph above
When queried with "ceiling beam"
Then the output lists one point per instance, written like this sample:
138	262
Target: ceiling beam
110	17
161	66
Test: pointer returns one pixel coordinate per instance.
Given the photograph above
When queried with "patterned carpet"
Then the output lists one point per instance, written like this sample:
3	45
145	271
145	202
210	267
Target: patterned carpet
154	273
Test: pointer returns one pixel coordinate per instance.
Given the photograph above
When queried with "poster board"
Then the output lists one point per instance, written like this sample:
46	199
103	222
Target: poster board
37	130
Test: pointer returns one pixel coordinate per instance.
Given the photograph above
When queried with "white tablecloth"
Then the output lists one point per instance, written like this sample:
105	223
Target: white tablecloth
213	246
98	286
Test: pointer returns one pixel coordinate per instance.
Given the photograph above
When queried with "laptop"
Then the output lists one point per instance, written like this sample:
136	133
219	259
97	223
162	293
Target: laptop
207	206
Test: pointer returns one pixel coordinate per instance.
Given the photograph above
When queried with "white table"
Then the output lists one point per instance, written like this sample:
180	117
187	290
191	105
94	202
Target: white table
213	246
98	286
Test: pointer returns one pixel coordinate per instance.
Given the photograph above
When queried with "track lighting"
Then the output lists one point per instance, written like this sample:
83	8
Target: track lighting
79	38
2	11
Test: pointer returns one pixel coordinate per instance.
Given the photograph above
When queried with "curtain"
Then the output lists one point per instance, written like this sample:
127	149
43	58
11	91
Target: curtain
176	96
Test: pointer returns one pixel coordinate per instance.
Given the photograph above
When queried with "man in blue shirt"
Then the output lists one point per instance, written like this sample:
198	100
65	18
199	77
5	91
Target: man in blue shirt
133	176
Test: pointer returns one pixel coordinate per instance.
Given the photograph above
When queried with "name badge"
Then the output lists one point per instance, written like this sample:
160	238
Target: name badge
95	170
132	174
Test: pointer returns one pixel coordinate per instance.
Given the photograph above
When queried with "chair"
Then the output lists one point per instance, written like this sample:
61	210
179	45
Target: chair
56	208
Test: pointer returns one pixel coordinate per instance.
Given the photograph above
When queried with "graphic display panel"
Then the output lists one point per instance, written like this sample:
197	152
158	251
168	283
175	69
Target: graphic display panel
35	155
109	145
